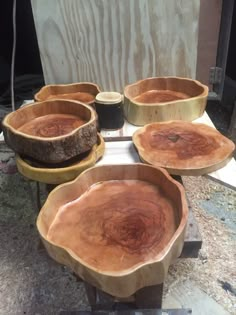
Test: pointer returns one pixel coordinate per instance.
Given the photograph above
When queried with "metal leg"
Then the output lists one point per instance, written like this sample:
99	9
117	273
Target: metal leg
38	200
36	206
91	294
149	297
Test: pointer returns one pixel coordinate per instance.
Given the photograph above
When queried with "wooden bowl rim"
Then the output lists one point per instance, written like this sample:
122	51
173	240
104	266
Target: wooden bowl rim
160	256
181	171
45	139
100	145
203	94
38	97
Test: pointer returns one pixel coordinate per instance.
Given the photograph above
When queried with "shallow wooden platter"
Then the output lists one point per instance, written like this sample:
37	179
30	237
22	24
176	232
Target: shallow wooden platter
61	172
51	131
118	227
84	92
164	98
183	148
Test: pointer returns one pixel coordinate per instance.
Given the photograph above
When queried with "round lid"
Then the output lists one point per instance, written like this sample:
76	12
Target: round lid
108	98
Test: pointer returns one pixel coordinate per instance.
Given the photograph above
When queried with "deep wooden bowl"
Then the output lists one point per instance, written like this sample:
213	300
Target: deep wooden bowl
51	131
118	227
61	172
164	98
183	148
84	92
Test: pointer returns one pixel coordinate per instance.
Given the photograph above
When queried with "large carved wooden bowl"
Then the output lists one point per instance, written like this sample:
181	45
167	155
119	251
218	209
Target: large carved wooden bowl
61	172
164	98
51	131
183	148
118	227
84	92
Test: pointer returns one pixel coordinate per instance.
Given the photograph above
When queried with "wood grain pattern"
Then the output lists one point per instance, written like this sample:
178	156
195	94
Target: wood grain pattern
121	282
114	43
183	148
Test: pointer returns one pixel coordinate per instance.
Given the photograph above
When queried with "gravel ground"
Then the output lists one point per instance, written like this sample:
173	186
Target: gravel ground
32	283
214	270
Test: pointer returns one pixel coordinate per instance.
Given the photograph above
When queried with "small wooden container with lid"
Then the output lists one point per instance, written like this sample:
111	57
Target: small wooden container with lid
110	110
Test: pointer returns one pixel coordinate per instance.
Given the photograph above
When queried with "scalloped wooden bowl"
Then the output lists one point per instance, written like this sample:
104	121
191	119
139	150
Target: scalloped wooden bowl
51	131
84	92
62	172
118	227
164	98
183	148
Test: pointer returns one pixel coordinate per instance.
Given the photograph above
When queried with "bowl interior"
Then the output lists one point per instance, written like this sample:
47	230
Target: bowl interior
130	211
161	90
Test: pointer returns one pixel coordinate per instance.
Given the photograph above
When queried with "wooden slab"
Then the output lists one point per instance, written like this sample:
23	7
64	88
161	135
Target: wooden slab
126	151
183	148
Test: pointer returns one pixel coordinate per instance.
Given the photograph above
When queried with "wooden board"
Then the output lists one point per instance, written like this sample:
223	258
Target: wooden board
113	43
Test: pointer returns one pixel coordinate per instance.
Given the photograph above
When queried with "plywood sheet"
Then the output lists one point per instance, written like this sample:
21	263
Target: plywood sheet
113	43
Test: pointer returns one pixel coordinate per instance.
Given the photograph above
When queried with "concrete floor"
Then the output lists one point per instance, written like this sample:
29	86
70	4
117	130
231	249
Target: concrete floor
30	281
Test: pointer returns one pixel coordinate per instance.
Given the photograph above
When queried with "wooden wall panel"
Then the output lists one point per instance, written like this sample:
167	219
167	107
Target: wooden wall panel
116	42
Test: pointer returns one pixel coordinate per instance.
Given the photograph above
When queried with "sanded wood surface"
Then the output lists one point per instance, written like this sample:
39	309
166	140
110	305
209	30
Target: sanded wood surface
118	151
183	148
164	98
114	43
118	277
51	131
